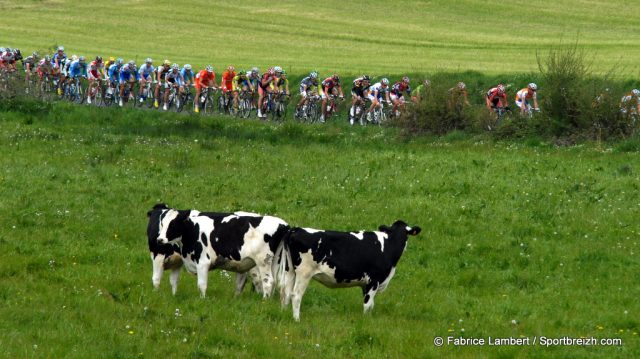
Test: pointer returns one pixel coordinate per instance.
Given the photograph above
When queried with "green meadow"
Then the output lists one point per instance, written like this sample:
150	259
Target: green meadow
350	37
519	240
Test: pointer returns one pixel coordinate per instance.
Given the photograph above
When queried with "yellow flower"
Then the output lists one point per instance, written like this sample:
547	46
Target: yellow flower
131	332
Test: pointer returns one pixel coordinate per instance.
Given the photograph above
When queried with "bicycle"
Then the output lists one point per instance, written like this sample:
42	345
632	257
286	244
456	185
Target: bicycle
96	93
173	97
244	104
500	112
46	87
311	111
111	94
147	95
185	98
332	107
206	102
225	103
73	91
279	106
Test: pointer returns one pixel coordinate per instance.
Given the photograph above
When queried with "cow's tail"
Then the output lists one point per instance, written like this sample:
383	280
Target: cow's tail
285	264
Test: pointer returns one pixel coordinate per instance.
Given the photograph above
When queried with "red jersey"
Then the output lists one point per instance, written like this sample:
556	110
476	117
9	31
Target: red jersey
204	78
227	80
494	93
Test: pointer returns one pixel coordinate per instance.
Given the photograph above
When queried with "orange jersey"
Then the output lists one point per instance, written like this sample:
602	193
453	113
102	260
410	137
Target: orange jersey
204	78
227	79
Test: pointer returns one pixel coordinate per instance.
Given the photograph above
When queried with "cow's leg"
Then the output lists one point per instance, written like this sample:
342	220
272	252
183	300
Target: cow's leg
369	292
173	278
203	276
158	269
287	287
301	282
264	268
255	280
241	279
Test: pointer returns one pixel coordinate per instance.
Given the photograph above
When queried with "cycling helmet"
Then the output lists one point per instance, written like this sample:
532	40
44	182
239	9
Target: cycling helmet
2	49
148	60
384	81
47	58
112	59
427	82
175	66
277	69
231	68
74	57
255	70
98	58
60	48
187	67
242	73
119	61
461	85
533	86
35	54
166	63
271	71
635	92
132	63
284	73
336	78
209	68
500	88
313	75
366	78
405	80
81	59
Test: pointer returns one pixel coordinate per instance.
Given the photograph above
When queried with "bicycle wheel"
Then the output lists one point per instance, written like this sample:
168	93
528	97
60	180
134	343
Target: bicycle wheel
79	94
244	108
221	105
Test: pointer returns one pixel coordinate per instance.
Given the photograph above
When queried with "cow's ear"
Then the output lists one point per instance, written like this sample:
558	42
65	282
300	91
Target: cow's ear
413	230
383	228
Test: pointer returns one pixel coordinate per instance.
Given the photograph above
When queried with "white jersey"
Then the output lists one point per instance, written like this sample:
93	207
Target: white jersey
378	87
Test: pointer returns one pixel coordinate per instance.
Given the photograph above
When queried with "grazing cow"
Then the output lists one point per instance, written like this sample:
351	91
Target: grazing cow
341	259
168	256
236	242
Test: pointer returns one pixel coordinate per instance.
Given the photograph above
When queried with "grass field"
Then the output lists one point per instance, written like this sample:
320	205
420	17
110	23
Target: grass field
518	240
349	37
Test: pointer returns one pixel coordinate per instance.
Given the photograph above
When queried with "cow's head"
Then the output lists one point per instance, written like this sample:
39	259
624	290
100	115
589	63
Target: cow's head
172	224
400	226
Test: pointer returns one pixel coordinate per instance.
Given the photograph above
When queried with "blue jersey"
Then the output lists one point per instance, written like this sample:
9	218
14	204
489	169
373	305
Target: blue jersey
77	68
61	59
146	71
126	73
187	75
113	72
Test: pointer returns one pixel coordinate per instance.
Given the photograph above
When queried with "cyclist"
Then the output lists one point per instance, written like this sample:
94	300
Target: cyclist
146	76
281	84
375	93
264	87
421	91
330	86
397	94
524	96
187	75
58	61
113	75
45	67
226	83
173	79
630	104
254	79
128	75
161	71
94	76
496	97
240	83
359	92
105	70
308	86
29	65
205	78
458	95
77	68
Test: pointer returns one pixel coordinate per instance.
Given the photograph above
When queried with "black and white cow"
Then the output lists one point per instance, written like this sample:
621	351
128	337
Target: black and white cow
341	259
163	256
168	256
236	242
